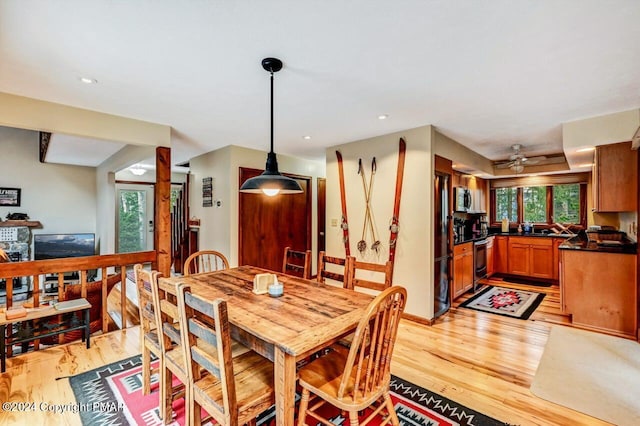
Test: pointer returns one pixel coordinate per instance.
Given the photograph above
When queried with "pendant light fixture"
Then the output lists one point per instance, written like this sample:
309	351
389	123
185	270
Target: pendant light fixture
271	182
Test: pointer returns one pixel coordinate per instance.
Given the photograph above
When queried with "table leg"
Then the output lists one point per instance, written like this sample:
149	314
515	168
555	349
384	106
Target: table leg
3	336
285	387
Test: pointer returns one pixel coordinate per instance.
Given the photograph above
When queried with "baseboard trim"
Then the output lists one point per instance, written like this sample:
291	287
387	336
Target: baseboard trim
417	319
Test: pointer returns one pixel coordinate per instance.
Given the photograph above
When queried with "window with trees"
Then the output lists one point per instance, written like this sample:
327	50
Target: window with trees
540	204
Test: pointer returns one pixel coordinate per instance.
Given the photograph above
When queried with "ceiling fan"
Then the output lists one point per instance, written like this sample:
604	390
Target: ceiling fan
517	161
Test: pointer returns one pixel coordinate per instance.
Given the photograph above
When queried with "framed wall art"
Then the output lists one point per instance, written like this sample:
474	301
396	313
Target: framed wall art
10	197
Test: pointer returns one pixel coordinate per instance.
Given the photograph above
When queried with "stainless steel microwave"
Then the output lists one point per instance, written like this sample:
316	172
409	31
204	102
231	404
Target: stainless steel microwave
462	199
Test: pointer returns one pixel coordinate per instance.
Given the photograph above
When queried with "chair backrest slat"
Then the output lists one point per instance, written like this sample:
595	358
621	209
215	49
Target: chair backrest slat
205	360
372	345
340	269
207	320
296	262
202	331
144	278
382	271
205	261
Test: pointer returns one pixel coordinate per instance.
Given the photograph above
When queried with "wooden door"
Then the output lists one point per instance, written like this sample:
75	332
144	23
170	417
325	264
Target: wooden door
322	197
267	225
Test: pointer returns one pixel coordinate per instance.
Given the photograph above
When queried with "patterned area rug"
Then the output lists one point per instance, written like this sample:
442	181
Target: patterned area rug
113	396
505	301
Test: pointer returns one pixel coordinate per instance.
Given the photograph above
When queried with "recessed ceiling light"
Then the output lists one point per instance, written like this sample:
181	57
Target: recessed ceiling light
306	137
587	149
137	170
383	116
87	80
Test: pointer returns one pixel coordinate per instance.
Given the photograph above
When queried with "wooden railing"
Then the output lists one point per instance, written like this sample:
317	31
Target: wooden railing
112	267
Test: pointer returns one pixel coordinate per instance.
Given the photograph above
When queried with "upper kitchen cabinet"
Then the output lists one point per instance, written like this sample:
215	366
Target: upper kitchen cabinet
478	189
615	178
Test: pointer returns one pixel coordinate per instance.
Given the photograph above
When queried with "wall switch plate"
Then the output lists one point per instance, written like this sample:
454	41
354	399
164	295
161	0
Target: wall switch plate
334	222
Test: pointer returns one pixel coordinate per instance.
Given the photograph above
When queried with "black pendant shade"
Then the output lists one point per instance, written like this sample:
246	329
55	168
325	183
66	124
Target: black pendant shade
271	182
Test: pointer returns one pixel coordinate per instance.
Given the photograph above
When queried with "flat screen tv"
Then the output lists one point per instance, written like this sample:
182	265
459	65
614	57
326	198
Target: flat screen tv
55	246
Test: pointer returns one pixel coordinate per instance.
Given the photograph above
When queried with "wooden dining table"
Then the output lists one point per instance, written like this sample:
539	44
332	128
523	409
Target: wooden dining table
308	317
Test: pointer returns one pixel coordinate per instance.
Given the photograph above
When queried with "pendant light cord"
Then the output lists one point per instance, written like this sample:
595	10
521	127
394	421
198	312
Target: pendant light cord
271	111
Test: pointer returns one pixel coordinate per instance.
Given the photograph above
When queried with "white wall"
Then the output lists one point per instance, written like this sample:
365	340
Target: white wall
219	225
465	158
61	197
414	253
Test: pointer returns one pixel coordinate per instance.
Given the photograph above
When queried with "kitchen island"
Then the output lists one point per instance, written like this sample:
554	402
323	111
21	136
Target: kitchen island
598	285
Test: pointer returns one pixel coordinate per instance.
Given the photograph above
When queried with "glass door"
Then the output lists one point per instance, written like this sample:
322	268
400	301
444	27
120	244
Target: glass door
134	218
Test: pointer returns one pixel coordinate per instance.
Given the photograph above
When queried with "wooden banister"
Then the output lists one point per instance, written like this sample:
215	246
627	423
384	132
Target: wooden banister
33	269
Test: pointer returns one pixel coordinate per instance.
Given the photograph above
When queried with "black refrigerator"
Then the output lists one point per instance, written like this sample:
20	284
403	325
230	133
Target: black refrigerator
442	300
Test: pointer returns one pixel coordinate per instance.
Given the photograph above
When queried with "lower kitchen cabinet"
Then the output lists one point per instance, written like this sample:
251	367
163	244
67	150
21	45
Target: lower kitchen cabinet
501	254
531	256
599	290
462	268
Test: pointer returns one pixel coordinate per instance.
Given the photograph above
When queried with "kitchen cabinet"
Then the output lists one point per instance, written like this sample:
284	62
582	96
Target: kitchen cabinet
456	180
501	254
531	256
490	258
462	268
614	178
477	188
599	290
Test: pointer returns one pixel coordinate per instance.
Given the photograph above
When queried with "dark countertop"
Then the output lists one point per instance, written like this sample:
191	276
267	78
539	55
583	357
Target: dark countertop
513	234
582	242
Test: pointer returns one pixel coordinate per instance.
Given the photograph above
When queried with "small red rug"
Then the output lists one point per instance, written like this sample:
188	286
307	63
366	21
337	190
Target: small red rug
505	301
113	395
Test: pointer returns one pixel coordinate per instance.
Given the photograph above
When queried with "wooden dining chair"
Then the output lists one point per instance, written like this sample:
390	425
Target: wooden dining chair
205	261
358	377
378	276
333	268
149	330
174	364
232	390
297	263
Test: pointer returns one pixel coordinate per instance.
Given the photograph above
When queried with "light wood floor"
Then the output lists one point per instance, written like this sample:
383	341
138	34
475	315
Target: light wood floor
484	361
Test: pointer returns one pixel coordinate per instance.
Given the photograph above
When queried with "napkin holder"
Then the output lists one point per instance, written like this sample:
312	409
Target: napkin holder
261	283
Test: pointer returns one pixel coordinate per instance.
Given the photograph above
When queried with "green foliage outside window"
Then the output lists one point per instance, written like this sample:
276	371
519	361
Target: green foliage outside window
131	222
175	193
535	204
565	207
566	203
506	204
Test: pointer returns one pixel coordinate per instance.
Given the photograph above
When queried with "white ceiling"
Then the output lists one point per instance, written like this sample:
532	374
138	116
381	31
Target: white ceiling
486	73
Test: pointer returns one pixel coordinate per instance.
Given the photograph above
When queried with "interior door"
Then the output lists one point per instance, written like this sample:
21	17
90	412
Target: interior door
322	197
134	218
267	225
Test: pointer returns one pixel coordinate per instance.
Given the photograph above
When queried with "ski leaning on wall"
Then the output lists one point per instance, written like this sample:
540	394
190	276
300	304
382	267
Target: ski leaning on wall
395	223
